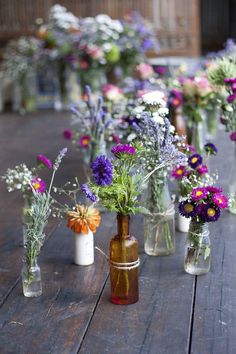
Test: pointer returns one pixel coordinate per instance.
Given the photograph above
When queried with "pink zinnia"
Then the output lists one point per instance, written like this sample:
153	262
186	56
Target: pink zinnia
43	160
220	200
202	169
67	134
38	184
179	172
213	189
233	136
84	141
199	193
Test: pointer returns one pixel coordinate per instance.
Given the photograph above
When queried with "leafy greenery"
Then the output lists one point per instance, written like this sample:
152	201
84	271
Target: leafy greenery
222	69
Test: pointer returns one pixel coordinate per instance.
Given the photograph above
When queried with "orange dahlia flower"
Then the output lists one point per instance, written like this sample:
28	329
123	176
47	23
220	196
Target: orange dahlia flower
83	219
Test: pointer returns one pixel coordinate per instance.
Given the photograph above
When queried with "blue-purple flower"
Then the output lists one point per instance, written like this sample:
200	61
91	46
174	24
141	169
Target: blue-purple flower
195	160
87	191
102	170
210	212
187	209
210	149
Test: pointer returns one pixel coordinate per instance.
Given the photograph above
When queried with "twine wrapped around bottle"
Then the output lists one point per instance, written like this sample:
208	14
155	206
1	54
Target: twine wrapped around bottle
164	216
118	265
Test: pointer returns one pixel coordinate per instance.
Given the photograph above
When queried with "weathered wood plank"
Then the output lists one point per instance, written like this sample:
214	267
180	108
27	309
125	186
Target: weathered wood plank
215	305
159	322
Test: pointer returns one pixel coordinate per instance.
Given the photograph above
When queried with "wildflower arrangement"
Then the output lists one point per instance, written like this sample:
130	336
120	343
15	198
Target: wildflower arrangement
115	182
204	204
39	213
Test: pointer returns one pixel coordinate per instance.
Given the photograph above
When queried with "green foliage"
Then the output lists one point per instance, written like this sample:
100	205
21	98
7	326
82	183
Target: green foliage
224	68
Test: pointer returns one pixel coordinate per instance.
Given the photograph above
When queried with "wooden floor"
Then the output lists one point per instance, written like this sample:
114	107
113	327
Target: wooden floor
176	314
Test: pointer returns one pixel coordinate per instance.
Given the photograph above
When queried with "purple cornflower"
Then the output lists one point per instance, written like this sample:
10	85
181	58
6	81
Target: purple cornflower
233	136
123	149
68	134
220	200
195	160
210	149
199	193
213	189
102	170
187	209
43	160
87	191
202	169
210	212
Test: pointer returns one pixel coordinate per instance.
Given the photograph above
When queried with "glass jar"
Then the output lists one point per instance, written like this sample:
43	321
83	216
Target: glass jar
124	264
198	136
159	227
232	185
31	278
198	249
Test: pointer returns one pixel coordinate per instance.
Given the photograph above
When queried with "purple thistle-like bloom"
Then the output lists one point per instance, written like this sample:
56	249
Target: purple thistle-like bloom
187	209
199	193
102	170
43	160
202	169
123	149
67	134
213	189
230	80
195	160
87	191
210	149
210	212
220	200
231	98
233	136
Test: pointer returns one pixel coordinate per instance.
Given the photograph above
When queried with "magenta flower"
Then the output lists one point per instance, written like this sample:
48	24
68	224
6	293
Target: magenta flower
233	136
116	138
220	200
230	80
38	184
176	99
231	98
179	172
68	134
202	169
123	149
199	193
44	161
84	141
212	189
161	70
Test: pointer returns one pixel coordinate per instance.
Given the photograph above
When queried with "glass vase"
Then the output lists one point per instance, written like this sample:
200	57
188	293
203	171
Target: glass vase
31	278
212	122
25	216
177	120
124	264
198	136
159	227
232	185
198	249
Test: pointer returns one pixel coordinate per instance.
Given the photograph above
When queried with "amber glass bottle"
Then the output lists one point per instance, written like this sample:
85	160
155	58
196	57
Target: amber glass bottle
124	254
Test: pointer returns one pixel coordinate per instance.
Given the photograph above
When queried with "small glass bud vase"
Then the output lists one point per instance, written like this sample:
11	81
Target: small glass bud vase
198	136
31	278
124	264
198	249
25	216
84	249
182	223
159	227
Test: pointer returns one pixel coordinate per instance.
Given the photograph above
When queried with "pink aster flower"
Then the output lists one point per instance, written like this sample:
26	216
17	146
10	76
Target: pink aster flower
112	92
179	172
43	160
116	138
202	169
213	189
144	71
233	136
84	141
220	200
123	149
38	184
67	134
199	193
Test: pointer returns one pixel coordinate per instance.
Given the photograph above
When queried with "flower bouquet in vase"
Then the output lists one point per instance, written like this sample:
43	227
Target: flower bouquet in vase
203	205
159	152
117	185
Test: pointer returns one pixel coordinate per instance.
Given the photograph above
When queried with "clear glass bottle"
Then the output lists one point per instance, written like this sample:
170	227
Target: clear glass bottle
124	264
198	138
25	216
198	249
232	185
31	278
159	227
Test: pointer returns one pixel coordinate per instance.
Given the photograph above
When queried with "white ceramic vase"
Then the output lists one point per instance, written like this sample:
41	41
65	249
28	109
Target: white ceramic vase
84	248
183	223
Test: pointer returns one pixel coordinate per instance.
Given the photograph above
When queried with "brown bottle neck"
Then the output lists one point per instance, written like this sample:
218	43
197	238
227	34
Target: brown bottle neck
123	226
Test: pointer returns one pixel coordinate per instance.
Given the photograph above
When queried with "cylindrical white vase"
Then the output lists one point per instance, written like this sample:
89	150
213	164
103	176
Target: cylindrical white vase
183	223
84	248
